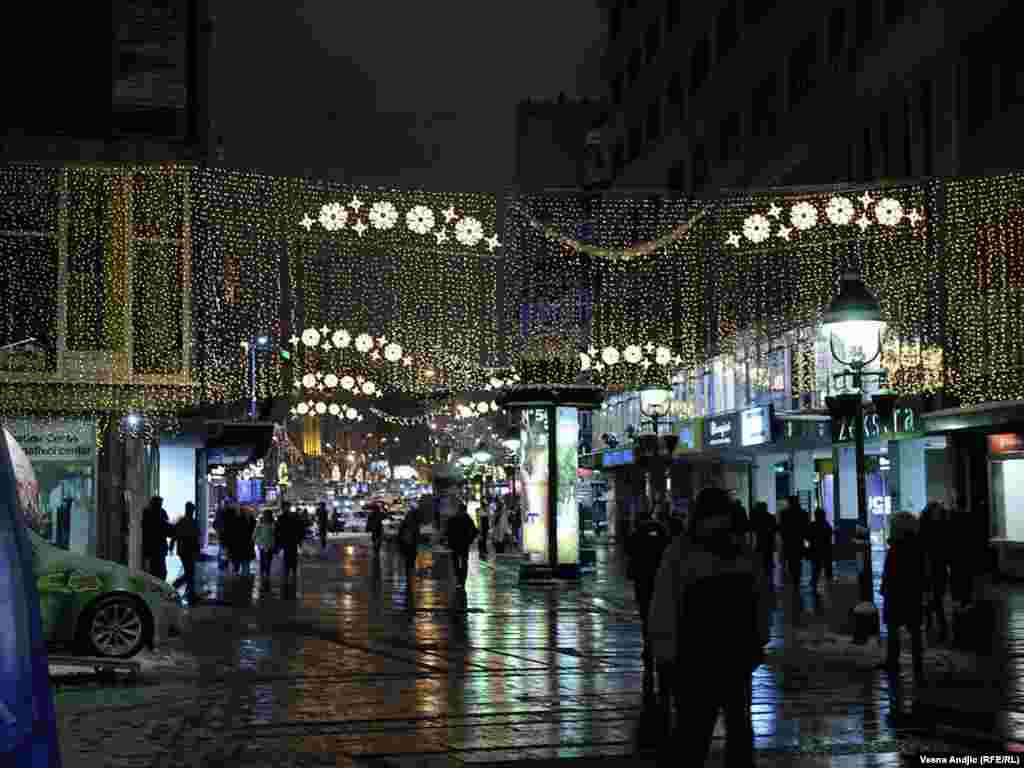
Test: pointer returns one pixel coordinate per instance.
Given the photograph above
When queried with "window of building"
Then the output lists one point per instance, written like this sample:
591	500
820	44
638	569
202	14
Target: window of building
801	70
700	64
700	167
895	10
726	29
836	33
867	159
672	13
979	93
756	10
614	21
729	138
677	176
652	41
654	120
634	65
865	22
636	140
764	107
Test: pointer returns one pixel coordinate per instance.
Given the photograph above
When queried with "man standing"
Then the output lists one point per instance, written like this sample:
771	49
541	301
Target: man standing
288	536
321	522
765	529
644	549
409	541
186	536
156	529
461	532
487	507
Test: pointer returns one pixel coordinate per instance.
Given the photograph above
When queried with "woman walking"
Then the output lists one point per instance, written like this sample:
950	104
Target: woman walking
502	530
264	538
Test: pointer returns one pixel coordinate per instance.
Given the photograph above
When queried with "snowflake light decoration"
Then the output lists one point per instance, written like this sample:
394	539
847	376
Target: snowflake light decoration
633	354
469	231
840	210
393	352
420	219
330	380
309	381
369	388
311	337
663	356
347	382
610	355
334	409
756	228
383	215
333	216
364	342
888	211
302	409
803	216
341	339
584	361
321	408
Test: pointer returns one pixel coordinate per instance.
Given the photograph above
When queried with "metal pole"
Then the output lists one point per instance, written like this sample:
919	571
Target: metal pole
866	577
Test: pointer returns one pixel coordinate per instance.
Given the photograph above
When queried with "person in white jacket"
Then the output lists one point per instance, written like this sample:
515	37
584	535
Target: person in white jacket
708	625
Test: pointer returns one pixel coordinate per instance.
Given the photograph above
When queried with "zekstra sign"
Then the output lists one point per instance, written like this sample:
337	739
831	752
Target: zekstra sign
905	421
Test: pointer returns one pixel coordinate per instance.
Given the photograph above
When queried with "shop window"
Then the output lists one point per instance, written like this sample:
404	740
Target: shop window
700	64
726	31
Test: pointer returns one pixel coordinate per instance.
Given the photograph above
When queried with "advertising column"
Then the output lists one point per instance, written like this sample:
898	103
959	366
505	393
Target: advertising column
534	468
567	518
63	456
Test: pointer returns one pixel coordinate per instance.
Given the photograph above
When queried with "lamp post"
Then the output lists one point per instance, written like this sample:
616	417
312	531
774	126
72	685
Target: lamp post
854	319
511	444
655	402
261	343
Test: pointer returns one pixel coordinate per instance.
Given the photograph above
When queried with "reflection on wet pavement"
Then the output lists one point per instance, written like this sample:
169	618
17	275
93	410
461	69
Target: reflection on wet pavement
357	662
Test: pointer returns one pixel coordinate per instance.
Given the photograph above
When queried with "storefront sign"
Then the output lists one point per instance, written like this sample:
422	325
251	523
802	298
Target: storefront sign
904	422
1005	443
59	440
756	425
721	431
691	434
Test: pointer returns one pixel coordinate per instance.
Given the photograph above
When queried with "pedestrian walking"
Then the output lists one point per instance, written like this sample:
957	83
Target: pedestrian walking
820	537
375	527
709	618
487	511
409	541
289	533
461	532
156	529
794	536
321	522
935	542
516	521
765	531
502	534
903	579
224	524
644	550
264	539
186	537
245	527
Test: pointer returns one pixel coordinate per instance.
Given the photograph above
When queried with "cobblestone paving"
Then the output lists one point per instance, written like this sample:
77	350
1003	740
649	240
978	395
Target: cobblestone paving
357	667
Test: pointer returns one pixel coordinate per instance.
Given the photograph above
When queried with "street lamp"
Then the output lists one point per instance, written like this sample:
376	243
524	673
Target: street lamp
465	459
512	444
655	401
854	319
262	344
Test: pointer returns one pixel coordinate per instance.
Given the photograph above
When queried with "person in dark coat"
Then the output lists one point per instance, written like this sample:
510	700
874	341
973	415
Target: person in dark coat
644	549
235	525
487	510
246	541
934	536
461	533
765	530
321	521
375	526
819	534
794	533
409	541
224	524
289	533
156	529
186	538
903	580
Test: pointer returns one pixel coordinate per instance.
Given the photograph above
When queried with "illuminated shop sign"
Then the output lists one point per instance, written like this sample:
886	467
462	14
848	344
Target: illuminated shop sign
617	458
903	422
721	431
1005	443
756	425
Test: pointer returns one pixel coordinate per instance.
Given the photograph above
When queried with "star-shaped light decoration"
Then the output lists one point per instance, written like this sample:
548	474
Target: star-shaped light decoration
598	367
375	355
382	340
319	376
320	386
774	211
294	340
492	242
866	200
407	361
326	347
355	204
297	383
449	214
863	222
306	222
678	360
646	363
733	239
324	331
914	217
649	347
592	352
784	232
441	236
359	227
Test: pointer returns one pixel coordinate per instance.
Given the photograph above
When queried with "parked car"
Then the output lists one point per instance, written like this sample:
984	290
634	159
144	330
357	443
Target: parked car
99	607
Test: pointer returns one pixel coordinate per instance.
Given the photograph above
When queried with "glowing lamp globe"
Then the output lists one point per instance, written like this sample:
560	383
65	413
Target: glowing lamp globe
465	460
481	456
655	401
854	319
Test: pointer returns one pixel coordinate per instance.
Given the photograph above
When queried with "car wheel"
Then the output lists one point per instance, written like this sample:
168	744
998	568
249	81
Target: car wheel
114	627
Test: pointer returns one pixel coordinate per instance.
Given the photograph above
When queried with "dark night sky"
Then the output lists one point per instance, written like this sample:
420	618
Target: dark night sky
404	93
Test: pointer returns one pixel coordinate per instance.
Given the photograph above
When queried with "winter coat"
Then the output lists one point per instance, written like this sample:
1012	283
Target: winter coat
710	607
186	535
289	533
461	532
375	521
820	536
264	536
903	582
501	529
409	534
645	548
156	529
766	529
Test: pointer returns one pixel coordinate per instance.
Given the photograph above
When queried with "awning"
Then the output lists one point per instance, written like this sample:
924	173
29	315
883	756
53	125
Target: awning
978	416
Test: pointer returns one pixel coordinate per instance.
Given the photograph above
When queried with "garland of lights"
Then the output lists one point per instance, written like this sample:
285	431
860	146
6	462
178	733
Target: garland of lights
321	408
355	385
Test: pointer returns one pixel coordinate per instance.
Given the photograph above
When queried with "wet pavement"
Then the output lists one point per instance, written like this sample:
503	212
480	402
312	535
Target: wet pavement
357	666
